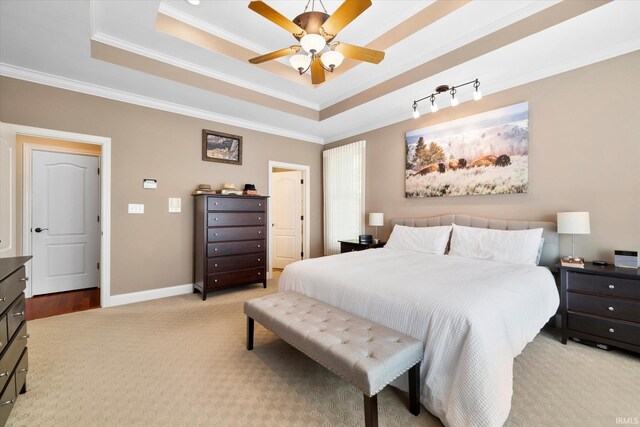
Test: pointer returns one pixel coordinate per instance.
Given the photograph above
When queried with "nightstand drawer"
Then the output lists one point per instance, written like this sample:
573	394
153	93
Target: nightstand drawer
603	285
602	327
607	307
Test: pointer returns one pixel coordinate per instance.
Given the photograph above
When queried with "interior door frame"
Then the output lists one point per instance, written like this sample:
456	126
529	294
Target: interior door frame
105	195
306	239
27	196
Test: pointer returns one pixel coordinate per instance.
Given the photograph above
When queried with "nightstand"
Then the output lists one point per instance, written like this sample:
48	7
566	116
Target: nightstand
355	245
601	304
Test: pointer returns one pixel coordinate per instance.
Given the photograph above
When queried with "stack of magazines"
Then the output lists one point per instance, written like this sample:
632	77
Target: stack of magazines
572	262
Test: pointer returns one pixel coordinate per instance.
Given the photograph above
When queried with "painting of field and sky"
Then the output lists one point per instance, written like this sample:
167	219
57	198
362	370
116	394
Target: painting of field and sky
482	154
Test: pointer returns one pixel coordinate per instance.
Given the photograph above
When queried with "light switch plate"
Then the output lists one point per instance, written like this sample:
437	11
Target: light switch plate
135	208
175	204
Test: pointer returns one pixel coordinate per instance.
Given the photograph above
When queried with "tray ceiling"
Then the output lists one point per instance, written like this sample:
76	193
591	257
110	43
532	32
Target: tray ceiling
192	59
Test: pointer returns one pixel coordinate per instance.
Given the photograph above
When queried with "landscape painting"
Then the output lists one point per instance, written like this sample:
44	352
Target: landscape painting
221	147
482	154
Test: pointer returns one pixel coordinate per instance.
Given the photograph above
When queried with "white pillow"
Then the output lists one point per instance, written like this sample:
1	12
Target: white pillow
430	240
510	246
539	255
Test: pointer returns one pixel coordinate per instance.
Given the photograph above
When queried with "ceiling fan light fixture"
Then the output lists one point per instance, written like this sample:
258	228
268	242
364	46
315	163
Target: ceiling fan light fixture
300	62
332	59
313	43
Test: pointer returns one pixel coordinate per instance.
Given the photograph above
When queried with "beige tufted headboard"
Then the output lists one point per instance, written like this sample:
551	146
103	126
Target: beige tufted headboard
550	250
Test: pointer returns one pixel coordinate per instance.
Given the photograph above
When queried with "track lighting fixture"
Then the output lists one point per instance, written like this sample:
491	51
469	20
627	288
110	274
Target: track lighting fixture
477	95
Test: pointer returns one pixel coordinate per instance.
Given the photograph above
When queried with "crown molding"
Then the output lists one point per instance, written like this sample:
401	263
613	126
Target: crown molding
155	55
415	61
208	27
19	73
565	65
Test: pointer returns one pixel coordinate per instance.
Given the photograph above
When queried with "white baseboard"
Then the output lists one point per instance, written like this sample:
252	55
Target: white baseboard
132	297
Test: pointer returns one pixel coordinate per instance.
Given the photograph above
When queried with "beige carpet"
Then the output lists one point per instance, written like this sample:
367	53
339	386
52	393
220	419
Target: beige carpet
181	361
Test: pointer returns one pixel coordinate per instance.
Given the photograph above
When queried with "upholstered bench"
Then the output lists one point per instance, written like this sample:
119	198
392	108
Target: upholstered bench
362	352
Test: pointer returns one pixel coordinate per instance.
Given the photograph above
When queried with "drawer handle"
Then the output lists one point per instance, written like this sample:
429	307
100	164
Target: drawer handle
23	370
8	402
215	249
20	313
216	203
259	232
215	234
24	337
3	299
215	219
611	287
215	280
259	217
259	204
4	374
612	330
258	259
215	265
23	279
258	245
259	274
610	308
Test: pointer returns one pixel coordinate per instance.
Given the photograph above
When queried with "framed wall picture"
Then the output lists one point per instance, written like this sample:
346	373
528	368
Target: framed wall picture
487	153
221	147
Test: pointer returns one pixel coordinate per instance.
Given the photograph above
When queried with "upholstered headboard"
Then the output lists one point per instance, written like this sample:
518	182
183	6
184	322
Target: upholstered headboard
550	249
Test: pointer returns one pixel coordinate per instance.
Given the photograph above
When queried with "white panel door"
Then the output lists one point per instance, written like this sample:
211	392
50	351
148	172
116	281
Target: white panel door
7	194
64	221
287	218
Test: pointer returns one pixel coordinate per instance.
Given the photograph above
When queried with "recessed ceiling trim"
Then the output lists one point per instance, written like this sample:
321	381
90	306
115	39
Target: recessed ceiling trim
33	76
172	60
540	21
134	61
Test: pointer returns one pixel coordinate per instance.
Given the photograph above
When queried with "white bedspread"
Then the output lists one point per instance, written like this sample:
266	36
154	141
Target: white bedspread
474	317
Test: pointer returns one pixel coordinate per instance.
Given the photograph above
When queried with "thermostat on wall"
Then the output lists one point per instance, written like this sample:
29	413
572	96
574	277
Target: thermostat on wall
150	183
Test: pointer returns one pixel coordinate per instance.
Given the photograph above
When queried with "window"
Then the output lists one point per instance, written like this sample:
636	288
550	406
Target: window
344	184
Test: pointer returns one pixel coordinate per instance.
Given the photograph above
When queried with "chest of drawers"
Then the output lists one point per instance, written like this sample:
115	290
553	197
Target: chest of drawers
13	334
230	242
601	304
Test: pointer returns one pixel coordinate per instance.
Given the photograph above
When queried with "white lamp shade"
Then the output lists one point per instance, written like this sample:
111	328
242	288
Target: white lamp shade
376	219
332	58
313	42
300	61
573	223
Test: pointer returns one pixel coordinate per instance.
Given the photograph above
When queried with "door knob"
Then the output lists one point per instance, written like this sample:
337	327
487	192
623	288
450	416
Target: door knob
39	230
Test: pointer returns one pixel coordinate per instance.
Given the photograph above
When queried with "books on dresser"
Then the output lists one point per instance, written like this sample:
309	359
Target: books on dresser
572	262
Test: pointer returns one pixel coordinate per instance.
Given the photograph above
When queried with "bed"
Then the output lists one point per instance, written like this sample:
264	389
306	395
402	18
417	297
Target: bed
474	316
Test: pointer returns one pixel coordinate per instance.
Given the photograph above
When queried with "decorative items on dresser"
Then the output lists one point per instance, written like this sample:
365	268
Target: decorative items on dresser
13	333
601	304
230	242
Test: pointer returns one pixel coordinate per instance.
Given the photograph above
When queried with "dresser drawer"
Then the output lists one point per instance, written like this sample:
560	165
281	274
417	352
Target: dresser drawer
4	338
11	287
234	204
235	233
604	285
235	262
602	306
12	354
252	275
7	400
235	248
220	219
21	371
15	315
613	329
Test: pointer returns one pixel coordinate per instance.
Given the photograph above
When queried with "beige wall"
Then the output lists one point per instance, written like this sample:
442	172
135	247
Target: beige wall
584	155
155	250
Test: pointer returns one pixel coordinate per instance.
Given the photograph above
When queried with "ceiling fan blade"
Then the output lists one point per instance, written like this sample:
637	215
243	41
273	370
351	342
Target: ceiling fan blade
360	53
317	72
347	12
273	55
276	17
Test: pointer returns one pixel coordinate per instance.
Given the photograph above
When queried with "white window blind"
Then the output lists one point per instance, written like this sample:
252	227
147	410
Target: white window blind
344	183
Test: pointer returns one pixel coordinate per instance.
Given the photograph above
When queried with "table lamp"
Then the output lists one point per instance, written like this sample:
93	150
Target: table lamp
573	223
376	220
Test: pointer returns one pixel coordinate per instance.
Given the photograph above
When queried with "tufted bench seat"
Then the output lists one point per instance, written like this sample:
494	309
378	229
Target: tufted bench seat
362	352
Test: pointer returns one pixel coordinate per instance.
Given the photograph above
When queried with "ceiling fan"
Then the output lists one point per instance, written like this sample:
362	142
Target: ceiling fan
316	32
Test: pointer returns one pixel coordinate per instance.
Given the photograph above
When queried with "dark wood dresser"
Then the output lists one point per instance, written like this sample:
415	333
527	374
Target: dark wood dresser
602	305
230	242
13	333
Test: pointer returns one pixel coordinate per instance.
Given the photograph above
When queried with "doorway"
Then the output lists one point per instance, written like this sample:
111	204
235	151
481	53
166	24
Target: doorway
288	213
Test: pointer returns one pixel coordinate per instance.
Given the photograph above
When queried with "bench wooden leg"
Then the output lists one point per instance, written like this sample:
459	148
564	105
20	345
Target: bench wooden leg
371	410
249	333
414	389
